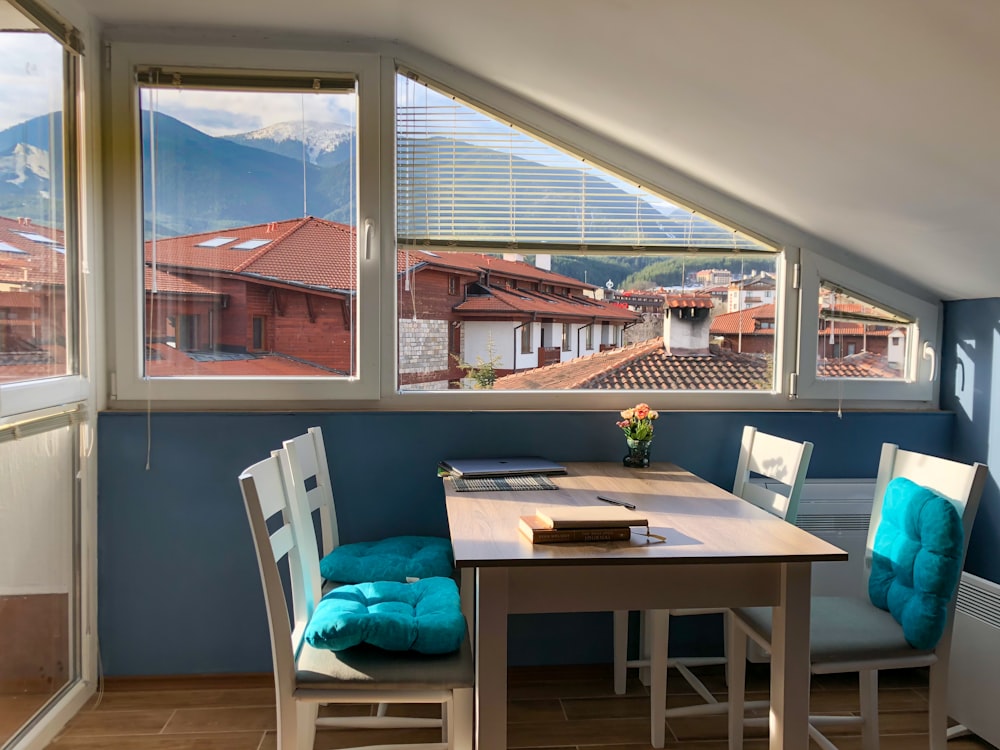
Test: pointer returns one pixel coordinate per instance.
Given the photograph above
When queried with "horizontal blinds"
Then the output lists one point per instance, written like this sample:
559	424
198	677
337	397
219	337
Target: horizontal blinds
465	178
36	425
218	80
66	33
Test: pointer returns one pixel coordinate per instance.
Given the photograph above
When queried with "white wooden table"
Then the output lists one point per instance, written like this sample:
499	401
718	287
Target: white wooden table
720	552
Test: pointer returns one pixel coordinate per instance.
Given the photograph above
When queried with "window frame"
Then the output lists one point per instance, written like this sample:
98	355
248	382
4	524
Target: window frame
125	226
921	382
22	397
377	335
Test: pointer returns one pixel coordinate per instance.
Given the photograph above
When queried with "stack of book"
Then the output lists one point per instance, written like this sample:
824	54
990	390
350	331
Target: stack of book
596	523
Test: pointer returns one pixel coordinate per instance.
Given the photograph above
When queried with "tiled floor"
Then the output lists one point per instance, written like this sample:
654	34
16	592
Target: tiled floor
552	707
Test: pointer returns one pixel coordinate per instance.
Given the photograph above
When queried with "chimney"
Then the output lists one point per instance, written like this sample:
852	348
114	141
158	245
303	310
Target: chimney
686	323
544	262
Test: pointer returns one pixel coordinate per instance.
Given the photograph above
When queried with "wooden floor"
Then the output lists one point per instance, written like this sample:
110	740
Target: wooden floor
551	707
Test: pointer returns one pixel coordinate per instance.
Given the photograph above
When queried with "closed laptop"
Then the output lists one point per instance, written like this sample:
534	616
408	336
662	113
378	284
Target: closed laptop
499	467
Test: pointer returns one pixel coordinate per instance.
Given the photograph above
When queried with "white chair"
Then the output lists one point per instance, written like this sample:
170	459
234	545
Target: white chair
306	471
852	635
786	463
307	475
305	677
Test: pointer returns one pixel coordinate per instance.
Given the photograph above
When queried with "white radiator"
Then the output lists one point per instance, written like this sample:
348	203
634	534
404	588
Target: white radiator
838	511
974	673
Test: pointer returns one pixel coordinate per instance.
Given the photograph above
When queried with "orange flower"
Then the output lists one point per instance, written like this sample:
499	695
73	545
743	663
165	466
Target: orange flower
637	422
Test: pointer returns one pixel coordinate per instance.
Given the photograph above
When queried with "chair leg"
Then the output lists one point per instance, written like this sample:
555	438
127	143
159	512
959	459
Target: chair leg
460	719
658	622
620	622
736	672
296	724
937	709
868	680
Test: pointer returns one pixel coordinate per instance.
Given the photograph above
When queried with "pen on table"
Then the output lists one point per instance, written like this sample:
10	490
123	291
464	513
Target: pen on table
616	502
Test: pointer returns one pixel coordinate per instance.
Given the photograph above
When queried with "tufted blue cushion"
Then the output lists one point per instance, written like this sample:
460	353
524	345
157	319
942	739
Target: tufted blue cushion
916	560
394	559
422	616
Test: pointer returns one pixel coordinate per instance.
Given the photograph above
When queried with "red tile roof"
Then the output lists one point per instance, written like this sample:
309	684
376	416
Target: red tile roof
478	263
502	300
320	254
861	365
169	282
743	321
38	262
691	300
646	365
310	251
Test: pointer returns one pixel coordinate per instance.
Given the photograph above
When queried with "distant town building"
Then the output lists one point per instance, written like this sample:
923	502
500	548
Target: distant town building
754	290
713	277
680	359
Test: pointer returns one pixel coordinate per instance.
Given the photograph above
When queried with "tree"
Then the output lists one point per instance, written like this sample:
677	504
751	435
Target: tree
484	372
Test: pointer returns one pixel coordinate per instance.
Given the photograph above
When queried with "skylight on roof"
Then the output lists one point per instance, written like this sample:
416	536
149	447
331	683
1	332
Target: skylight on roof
38	238
11	249
250	244
217	242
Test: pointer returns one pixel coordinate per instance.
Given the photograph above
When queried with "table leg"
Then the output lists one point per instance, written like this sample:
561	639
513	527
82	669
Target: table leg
467	596
491	658
789	720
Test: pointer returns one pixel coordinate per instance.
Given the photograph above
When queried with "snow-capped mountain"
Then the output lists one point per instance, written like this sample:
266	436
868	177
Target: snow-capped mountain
325	142
25	165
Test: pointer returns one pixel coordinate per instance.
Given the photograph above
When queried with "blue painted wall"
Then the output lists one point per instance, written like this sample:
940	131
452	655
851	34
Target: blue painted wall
970	372
178	586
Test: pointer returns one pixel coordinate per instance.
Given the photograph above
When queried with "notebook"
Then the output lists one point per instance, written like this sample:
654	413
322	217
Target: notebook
589	517
499	467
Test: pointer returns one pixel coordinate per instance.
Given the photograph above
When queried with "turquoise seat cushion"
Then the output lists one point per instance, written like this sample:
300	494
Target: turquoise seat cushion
917	559
423	616
396	558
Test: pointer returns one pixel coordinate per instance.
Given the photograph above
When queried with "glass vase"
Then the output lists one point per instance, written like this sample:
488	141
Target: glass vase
638	453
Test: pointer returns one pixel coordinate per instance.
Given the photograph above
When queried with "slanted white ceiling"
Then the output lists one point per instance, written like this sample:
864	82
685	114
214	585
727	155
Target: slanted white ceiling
873	125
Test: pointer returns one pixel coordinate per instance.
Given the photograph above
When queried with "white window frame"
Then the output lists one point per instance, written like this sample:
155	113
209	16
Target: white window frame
26	396
125	227
921	376
377	337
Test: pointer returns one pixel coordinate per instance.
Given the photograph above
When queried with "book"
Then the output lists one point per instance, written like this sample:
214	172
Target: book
590	517
539	533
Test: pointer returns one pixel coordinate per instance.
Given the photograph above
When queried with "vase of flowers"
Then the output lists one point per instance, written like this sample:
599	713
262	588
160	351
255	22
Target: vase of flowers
637	424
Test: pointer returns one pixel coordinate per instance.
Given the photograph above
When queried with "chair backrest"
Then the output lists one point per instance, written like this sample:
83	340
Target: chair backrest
776	458
307	475
961	483
268	502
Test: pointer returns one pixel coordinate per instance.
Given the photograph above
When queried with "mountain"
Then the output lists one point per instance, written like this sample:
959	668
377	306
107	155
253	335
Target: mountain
207	183
325	143
26	170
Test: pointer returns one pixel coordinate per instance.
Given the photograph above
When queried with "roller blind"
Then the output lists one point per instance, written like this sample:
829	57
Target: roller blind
466	178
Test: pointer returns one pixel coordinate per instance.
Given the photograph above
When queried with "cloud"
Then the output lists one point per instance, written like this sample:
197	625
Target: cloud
31	82
229	112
